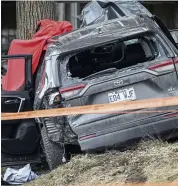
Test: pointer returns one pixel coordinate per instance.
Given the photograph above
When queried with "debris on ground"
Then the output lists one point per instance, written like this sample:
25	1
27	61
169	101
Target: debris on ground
152	161
19	176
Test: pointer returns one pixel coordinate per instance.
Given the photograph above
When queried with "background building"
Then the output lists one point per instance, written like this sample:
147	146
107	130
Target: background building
167	11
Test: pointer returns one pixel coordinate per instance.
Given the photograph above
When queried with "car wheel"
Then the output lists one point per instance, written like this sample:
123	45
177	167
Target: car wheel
53	151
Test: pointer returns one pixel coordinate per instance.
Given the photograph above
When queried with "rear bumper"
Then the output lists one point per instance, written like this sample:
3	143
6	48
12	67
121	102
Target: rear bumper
165	129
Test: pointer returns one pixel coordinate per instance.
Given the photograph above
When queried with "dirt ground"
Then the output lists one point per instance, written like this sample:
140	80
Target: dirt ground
148	162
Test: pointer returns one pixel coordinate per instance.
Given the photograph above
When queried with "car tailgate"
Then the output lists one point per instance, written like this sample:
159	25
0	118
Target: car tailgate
136	83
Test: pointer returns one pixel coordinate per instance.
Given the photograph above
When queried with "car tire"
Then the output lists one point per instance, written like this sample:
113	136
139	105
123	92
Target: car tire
53	151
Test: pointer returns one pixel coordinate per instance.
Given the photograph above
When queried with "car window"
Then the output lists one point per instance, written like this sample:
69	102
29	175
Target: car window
114	55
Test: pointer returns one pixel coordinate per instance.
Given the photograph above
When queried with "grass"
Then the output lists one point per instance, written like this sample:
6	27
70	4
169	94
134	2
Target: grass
153	161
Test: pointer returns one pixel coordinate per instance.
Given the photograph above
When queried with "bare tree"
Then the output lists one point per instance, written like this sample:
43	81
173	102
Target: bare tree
28	13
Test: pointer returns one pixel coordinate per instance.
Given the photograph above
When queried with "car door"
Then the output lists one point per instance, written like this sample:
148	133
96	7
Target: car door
19	138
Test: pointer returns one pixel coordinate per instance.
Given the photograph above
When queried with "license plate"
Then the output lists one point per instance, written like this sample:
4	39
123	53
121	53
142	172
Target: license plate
122	95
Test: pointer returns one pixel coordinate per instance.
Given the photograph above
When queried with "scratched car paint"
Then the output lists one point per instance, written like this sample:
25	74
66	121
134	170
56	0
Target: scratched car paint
120	53
121	59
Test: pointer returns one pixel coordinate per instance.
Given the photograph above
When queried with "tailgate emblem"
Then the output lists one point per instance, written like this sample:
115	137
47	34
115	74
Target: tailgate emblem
118	83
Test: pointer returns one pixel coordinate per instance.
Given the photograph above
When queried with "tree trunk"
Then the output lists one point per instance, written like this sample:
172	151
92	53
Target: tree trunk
28	13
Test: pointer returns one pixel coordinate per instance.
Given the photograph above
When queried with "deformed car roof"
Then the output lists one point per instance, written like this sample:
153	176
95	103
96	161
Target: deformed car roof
101	10
103	32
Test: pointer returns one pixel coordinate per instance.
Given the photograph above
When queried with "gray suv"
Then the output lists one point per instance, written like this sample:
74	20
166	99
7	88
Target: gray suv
122	58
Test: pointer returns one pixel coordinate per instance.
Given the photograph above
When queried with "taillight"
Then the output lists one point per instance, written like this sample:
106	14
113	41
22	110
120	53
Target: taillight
72	90
164	66
87	137
171	115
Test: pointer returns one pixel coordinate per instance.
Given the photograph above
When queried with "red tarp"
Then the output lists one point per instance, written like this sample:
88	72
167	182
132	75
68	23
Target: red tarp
14	78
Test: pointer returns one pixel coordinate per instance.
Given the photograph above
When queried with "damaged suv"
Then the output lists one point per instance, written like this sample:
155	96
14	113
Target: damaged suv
123	59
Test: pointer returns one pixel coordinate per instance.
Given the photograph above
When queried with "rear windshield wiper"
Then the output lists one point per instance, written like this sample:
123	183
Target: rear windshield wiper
103	72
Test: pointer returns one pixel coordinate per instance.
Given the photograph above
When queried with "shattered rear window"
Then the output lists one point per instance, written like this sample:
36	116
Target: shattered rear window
116	55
